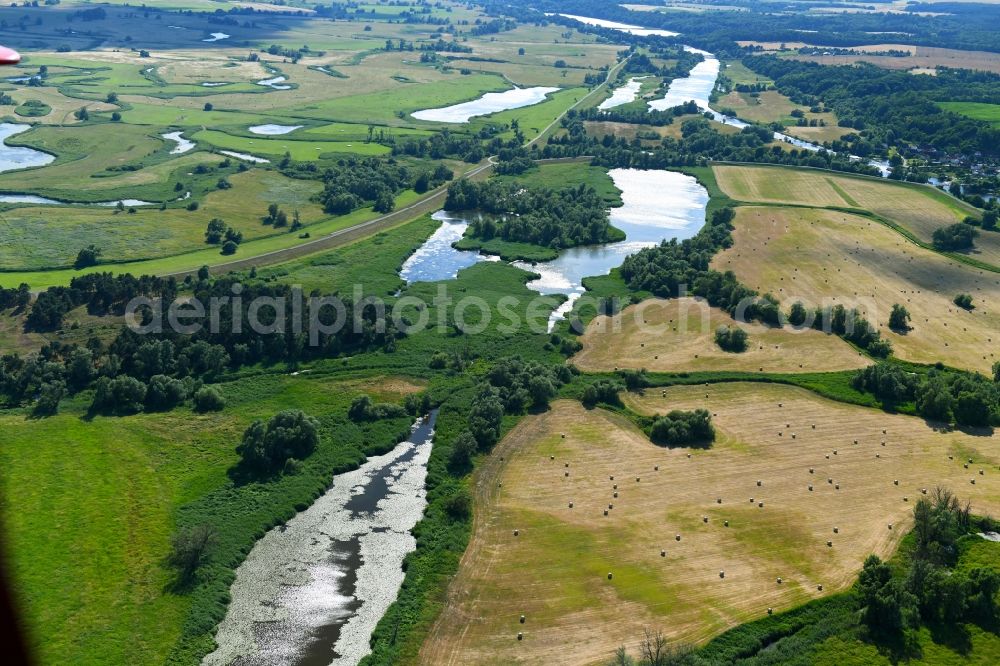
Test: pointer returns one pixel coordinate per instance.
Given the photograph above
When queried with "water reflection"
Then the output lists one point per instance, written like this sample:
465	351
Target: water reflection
312	590
437	259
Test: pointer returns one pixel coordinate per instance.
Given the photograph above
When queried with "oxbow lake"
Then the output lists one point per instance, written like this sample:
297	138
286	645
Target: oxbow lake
657	206
19	157
514	98
273	130
312	590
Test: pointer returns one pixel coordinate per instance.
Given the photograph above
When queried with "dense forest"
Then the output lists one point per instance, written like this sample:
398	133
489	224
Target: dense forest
963	26
551	218
891	108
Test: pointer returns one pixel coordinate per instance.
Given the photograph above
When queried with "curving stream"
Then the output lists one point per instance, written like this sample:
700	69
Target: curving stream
312	590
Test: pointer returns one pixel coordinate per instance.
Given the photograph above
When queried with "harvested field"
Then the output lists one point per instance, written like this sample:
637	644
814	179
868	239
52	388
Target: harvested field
555	571
678	335
827	257
920	209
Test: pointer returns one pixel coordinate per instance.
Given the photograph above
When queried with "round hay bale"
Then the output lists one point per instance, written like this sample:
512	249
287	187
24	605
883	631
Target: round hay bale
611	506
890	526
610	575
895	482
571	505
615	495
517	532
612	478
760	505
637	479
605	512
770	611
923	491
819	587
829	544
751	500
677	537
500	484
522	619
689	455
972	481
829	479
566	465
814	426
704	519
828	456
656	468
566	474
520	636
552	457
779	580
965	465
718	500
759	483
982	473
855	441
810	487
836	530
722	574
811	470
614	487
835	452
793	435
836	486
878	455
663	553
725	523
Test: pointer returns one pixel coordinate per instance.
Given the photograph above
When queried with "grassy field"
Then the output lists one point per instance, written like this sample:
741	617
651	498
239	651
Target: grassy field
555	571
39	237
89	566
828	257
917	208
301	151
679	335
987	112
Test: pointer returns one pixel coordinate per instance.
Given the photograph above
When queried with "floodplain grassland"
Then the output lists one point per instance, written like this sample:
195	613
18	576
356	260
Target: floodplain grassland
918	209
556	570
824	257
678	335
89	552
40	237
980	111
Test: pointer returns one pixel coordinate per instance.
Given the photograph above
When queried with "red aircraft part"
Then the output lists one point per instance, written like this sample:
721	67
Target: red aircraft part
9	56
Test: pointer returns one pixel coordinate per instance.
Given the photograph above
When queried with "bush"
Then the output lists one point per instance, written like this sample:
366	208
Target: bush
88	256
288	434
680	428
190	547
602	391
899	318
208	399
364	409
964	301
731	339
121	395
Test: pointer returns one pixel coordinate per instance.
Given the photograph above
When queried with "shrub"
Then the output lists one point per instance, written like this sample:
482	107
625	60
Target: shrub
190	547
964	301
731	339
208	399
899	318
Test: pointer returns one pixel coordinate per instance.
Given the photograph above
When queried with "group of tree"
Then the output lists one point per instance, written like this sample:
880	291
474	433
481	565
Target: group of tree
551	218
160	369
219	233
511	386
966	399
356	182
683	428
957	237
925	588
731	339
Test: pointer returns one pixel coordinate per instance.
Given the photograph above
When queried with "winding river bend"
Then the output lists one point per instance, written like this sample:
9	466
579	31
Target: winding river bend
312	590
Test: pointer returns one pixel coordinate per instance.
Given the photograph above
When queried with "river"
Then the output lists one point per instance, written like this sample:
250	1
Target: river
312	590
